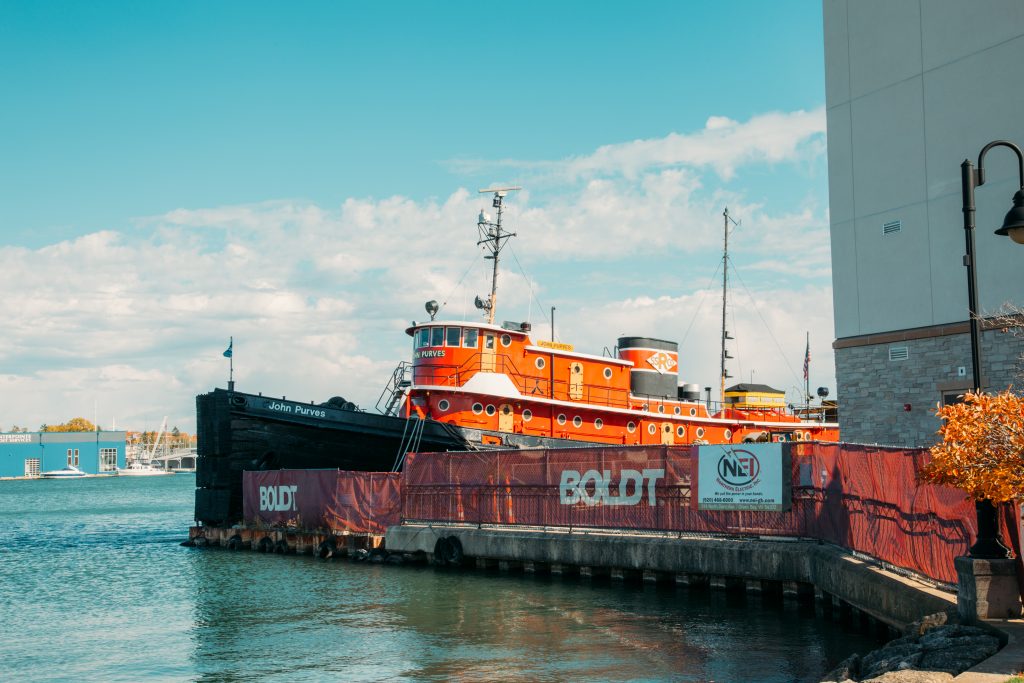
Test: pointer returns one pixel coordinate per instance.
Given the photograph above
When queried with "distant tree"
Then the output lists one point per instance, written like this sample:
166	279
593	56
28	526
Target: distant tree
75	424
982	448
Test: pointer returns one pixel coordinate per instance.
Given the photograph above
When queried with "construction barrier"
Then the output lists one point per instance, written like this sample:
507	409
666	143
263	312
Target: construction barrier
863	498
322	500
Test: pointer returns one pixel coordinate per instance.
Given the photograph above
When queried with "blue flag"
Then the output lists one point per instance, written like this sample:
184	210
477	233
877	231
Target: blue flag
227	352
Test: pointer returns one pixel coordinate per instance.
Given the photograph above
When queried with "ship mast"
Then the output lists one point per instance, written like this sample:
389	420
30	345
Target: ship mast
725	289
492	236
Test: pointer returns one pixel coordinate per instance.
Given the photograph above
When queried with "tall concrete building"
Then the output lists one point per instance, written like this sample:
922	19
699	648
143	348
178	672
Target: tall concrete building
913	87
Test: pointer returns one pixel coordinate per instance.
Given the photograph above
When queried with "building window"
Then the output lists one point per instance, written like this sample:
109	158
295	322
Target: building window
31	467
70	461
108	459
76	457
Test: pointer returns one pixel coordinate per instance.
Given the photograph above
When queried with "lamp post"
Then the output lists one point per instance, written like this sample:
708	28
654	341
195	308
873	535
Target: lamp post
987	545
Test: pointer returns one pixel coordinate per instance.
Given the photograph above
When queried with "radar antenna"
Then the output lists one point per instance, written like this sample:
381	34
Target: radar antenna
494	238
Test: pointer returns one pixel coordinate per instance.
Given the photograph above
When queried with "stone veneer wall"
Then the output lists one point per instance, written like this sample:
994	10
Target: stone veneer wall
872	389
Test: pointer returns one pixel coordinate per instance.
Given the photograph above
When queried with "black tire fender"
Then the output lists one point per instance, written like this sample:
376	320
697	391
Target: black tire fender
281	547
441	551
265	545
235	542
455	554
359	555
327	549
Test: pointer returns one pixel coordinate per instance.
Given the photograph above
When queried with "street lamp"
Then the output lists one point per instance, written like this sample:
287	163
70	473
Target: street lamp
988	545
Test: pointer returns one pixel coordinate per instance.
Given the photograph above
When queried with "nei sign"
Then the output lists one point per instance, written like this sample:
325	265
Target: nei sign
750	476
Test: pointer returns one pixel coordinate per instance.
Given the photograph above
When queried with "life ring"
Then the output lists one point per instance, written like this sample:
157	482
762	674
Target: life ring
235	542
327	549
266	545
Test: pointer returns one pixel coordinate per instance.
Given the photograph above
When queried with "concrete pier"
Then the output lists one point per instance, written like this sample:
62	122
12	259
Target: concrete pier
799	569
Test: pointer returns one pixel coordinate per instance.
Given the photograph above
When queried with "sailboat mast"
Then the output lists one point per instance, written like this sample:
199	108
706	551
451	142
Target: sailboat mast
493	237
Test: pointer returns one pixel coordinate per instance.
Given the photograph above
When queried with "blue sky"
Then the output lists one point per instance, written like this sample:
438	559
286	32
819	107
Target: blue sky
303	175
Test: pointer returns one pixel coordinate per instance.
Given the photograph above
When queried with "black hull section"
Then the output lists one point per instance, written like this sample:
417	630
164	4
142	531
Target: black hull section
237	432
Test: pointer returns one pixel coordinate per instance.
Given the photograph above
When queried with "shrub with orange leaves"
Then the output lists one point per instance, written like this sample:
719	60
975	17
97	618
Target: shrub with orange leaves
982	448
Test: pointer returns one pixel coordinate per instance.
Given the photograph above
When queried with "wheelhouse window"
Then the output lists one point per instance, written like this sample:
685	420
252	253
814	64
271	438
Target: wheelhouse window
469	338
437	336
453	336
422	337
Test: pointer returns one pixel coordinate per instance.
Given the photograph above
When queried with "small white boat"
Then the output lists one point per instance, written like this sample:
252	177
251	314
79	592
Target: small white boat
139	469
68	472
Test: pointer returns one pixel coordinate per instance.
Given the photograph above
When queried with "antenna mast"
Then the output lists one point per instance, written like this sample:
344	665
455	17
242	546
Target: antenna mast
725	289
492	236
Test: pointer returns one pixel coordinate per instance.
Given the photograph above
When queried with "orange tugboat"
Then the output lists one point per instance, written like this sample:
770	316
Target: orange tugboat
502	382
474	385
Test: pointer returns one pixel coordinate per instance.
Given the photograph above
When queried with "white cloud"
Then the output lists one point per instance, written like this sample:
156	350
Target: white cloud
722	145
317	298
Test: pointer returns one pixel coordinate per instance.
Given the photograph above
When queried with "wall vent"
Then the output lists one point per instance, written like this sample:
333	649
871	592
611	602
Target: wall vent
899	353
891	227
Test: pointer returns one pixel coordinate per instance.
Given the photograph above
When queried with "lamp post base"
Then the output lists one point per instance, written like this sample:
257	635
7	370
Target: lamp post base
987	589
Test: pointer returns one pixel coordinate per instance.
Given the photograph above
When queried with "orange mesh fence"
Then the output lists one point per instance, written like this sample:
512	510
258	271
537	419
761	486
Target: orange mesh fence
324	500
862	498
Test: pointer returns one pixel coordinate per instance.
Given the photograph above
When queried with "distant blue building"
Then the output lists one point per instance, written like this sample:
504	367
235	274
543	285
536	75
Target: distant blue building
29	454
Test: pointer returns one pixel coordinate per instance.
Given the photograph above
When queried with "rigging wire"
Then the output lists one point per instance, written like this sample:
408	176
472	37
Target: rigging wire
700	304
763	321
445	301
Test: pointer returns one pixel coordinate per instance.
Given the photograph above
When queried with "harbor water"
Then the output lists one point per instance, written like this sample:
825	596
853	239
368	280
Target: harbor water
94	586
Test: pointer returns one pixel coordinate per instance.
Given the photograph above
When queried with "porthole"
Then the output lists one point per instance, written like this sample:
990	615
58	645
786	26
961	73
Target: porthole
577	422
728	435
443	405
700	432
539	363
630	427
693	411
561	418
652	429
506	409
491	410
478	408
607	373
506	340
677	410
661	409
680	431
527	415
598	423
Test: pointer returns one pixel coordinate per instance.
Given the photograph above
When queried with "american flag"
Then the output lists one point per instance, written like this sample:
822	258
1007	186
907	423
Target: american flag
807	360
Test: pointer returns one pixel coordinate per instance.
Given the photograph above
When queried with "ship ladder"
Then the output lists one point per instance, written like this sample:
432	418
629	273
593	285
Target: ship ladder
398	388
